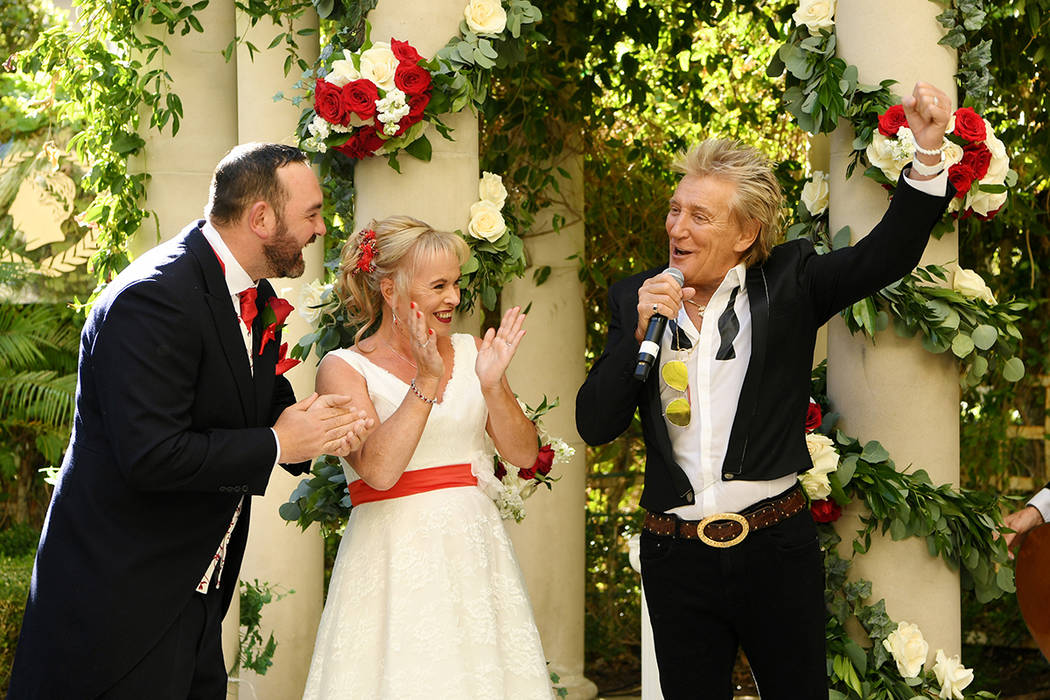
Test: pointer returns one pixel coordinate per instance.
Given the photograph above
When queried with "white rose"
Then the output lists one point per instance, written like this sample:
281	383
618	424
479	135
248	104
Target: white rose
984	203
486	222
815	193
343	72
952	676
379	64
953	154
1000	164
491	189
825	460
971	285
908	648
881	153
815	14
310	300
485	16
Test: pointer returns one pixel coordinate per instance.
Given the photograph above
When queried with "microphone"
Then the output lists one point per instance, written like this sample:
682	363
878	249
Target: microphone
657	324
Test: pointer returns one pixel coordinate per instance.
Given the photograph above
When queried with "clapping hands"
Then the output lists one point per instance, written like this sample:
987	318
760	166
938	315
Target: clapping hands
498	347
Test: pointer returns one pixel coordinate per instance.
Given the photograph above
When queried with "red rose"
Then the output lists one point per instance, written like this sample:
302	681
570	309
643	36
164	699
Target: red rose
404	51
892	121
527	473
501	470
284	363
359	97
825	511
328	103
544	460
969	125
363	144
412	79
814	417
269	334
978	157
961	176
281	309
416	105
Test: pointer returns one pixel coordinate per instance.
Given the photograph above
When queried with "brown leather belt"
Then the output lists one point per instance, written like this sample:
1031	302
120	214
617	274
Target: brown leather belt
728	529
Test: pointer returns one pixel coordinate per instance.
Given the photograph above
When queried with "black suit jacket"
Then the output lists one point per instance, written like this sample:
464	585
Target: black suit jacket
792	295
171	430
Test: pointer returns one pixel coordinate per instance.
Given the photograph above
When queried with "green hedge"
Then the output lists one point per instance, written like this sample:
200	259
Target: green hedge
15	573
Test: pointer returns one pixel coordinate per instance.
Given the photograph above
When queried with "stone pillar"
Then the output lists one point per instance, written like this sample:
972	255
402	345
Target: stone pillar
896	392
550	541
278	552
180	167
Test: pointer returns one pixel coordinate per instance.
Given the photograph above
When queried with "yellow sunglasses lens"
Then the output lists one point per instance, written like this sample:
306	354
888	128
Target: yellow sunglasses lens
675	375
678	412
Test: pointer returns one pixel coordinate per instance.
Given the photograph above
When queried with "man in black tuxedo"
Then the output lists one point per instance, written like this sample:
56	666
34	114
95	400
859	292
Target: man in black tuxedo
729	551
178	387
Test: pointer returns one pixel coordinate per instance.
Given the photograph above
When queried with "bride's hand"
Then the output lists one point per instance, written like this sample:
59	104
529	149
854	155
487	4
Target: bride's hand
498	347
424	346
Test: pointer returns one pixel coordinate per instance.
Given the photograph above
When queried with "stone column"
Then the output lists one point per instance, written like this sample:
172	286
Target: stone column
550	541
180	167
896	392
278	552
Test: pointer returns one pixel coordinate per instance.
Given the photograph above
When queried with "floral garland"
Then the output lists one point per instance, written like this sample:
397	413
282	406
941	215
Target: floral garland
377	98
954	524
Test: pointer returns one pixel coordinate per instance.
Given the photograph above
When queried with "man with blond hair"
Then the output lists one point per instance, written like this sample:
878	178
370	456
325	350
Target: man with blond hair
729	550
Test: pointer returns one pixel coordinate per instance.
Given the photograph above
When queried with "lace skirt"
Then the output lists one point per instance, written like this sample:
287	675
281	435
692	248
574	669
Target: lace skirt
427	601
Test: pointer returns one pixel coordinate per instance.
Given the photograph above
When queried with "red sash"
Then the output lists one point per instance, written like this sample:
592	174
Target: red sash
415	481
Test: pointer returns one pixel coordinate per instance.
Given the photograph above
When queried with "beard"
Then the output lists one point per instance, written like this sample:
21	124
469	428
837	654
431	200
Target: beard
284	254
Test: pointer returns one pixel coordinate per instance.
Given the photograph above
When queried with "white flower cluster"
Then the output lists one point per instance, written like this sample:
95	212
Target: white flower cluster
486	219
909	650
825	459
314	299
815	193
391	109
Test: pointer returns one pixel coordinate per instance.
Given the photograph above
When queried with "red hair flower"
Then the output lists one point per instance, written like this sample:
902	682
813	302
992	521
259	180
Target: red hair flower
366	252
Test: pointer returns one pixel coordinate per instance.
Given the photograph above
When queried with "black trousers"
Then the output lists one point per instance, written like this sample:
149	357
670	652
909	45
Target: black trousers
187	663
765	594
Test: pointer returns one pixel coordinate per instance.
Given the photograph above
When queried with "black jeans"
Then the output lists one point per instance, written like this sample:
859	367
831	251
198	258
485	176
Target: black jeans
766	594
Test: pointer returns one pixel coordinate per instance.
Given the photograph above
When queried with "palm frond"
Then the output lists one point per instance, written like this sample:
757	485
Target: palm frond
39	395
37	336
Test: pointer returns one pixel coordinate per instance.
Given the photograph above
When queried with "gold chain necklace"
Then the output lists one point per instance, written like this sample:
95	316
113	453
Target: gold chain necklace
701	308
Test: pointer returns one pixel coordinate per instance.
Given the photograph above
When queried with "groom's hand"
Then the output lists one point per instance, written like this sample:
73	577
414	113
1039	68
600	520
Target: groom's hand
317	425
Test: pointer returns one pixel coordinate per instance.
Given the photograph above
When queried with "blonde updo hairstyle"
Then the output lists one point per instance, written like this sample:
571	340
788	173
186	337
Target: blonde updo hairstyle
401	243
758	195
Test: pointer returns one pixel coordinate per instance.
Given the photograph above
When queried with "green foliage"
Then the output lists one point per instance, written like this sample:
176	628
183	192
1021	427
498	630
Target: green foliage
253	653
982	336
15	575
320	498
19	540
21	24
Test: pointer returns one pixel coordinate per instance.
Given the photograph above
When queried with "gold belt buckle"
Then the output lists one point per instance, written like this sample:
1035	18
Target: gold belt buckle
737	517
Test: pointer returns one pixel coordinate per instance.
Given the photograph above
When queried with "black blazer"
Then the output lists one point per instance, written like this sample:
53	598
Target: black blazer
792	295
170	430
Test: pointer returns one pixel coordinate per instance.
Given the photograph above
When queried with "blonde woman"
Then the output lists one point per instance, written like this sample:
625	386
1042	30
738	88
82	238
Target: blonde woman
426	598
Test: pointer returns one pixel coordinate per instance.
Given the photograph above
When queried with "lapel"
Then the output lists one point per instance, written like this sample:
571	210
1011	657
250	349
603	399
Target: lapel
761	307
266	362
224	319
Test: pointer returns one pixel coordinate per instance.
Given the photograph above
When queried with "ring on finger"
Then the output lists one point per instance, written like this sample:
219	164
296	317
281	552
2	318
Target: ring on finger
656	307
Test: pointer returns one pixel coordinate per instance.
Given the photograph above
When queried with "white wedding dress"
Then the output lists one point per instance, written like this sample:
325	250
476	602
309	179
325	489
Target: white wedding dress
426	599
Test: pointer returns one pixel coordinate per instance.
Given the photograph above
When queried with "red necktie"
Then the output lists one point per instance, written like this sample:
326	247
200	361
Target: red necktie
248	310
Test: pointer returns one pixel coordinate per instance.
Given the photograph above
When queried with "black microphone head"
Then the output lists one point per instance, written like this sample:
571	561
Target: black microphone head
677	274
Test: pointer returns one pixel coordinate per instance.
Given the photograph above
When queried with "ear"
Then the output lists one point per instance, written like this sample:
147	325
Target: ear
749	232
261	219
388	289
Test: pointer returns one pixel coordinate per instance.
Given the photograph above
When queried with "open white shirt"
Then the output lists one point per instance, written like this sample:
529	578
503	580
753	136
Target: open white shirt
714	390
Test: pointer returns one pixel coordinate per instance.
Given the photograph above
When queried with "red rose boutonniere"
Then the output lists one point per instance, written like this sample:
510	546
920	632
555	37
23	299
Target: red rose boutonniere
274	316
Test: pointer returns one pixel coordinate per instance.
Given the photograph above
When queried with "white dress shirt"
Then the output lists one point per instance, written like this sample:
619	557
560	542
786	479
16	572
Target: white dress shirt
713	391
1041	502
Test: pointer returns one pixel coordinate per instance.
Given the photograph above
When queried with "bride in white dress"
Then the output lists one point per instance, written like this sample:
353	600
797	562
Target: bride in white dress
426	598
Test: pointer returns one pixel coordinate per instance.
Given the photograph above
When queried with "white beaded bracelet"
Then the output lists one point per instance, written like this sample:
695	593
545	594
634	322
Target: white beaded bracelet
931	151
420	394
920	168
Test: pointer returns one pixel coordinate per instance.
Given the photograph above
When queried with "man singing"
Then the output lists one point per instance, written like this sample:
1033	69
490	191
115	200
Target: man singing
729	551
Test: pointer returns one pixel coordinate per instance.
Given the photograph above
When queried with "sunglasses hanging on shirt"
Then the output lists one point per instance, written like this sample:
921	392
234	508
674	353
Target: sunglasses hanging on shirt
675	374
